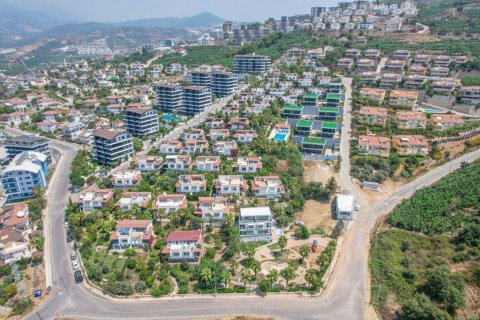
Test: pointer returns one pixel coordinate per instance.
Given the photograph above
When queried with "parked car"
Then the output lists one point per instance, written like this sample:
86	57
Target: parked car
66	224
78	276
357	207
69	236
75	265
73	255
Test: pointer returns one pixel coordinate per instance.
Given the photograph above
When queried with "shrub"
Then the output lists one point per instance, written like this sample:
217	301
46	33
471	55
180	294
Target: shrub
21	306
302	233
130	263
130	252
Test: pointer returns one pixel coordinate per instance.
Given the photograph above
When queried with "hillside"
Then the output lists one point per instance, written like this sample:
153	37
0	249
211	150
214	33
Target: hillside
450	16
425	262
199	20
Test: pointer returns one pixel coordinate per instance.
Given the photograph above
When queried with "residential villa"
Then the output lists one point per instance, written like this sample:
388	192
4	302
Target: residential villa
411	120
373	115
269	187
404	98
191	183
374	146
167	203
230	184
132	234
131	199
248	165
212	209
444	121
183	246
411	145
126	178
92	199
207	163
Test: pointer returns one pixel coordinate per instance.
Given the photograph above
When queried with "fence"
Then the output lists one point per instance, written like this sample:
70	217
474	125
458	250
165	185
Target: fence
461	136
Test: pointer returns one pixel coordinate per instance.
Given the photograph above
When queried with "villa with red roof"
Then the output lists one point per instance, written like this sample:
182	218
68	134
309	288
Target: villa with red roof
132	234
183	245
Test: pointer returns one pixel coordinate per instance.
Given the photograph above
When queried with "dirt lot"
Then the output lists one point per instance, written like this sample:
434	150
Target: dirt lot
317	214
318	171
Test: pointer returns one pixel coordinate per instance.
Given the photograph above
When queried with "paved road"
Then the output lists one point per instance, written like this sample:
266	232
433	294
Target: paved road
345	138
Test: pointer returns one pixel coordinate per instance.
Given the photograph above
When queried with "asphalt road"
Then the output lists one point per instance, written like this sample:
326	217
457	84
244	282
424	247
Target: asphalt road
346	296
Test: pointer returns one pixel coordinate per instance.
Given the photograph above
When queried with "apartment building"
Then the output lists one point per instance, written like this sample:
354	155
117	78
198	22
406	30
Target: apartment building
373	115
191	183
212	210
374	146
345	64
200	78
417	70
372	54
401	54
255	224
224	83
132	234
132	199
207	163
111	146
269	187
170	98
18	117
404	98
366	64
141	121
390	80
248	165
411	145
444	121
214	123
423	59
414	81
25	172
92	199
442	72
166	203
178	162
395	65
19	144
410	120
196	99
183	246
251	63
443	87
442	61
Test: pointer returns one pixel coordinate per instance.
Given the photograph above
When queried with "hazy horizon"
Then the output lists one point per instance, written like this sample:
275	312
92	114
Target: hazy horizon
122	10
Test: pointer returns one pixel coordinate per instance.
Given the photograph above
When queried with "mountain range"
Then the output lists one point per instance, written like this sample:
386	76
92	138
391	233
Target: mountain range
19	26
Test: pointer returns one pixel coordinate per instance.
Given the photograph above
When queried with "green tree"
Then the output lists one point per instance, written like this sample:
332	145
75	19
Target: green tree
420	307
282	242
288	274
332	186
256	267
206	276
272	276
246	275
311	276
304	251
225	277
446	287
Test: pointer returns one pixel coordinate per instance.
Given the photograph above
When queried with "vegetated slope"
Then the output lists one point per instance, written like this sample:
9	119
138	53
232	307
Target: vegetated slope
429	268
446	16
274	45
444	207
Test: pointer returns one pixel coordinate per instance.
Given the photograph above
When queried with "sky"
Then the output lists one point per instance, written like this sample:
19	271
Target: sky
122	10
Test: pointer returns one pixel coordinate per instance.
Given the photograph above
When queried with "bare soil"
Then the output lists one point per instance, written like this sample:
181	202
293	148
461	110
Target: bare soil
318	171
317	214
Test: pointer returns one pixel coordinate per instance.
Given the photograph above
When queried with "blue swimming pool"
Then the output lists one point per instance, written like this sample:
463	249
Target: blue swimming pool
280	137
171	117
433	111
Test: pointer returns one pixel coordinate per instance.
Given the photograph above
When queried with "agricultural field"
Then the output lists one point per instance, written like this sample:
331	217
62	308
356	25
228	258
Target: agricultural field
425	260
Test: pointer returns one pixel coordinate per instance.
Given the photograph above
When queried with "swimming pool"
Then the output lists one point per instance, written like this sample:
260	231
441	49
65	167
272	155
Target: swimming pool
280	137
432	111
171	117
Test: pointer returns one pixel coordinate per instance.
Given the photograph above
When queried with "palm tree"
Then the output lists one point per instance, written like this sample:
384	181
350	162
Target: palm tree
246	275
288	274
206	276
233	266
249	252
282	243
225	277
311	276
272	276
304	251
256	268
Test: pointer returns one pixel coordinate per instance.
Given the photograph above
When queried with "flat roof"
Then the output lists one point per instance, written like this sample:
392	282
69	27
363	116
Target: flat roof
344	203
314	140
329	125
255	211
333	96
329	109
304	123
292	108
310	95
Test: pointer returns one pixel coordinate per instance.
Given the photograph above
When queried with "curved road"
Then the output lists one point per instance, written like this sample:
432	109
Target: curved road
346	296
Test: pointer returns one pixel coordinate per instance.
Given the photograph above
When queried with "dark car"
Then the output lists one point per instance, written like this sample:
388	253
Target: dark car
69	237
78	276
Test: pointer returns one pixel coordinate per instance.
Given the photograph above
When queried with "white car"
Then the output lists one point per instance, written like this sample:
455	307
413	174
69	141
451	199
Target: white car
357	207
66	224
75	265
